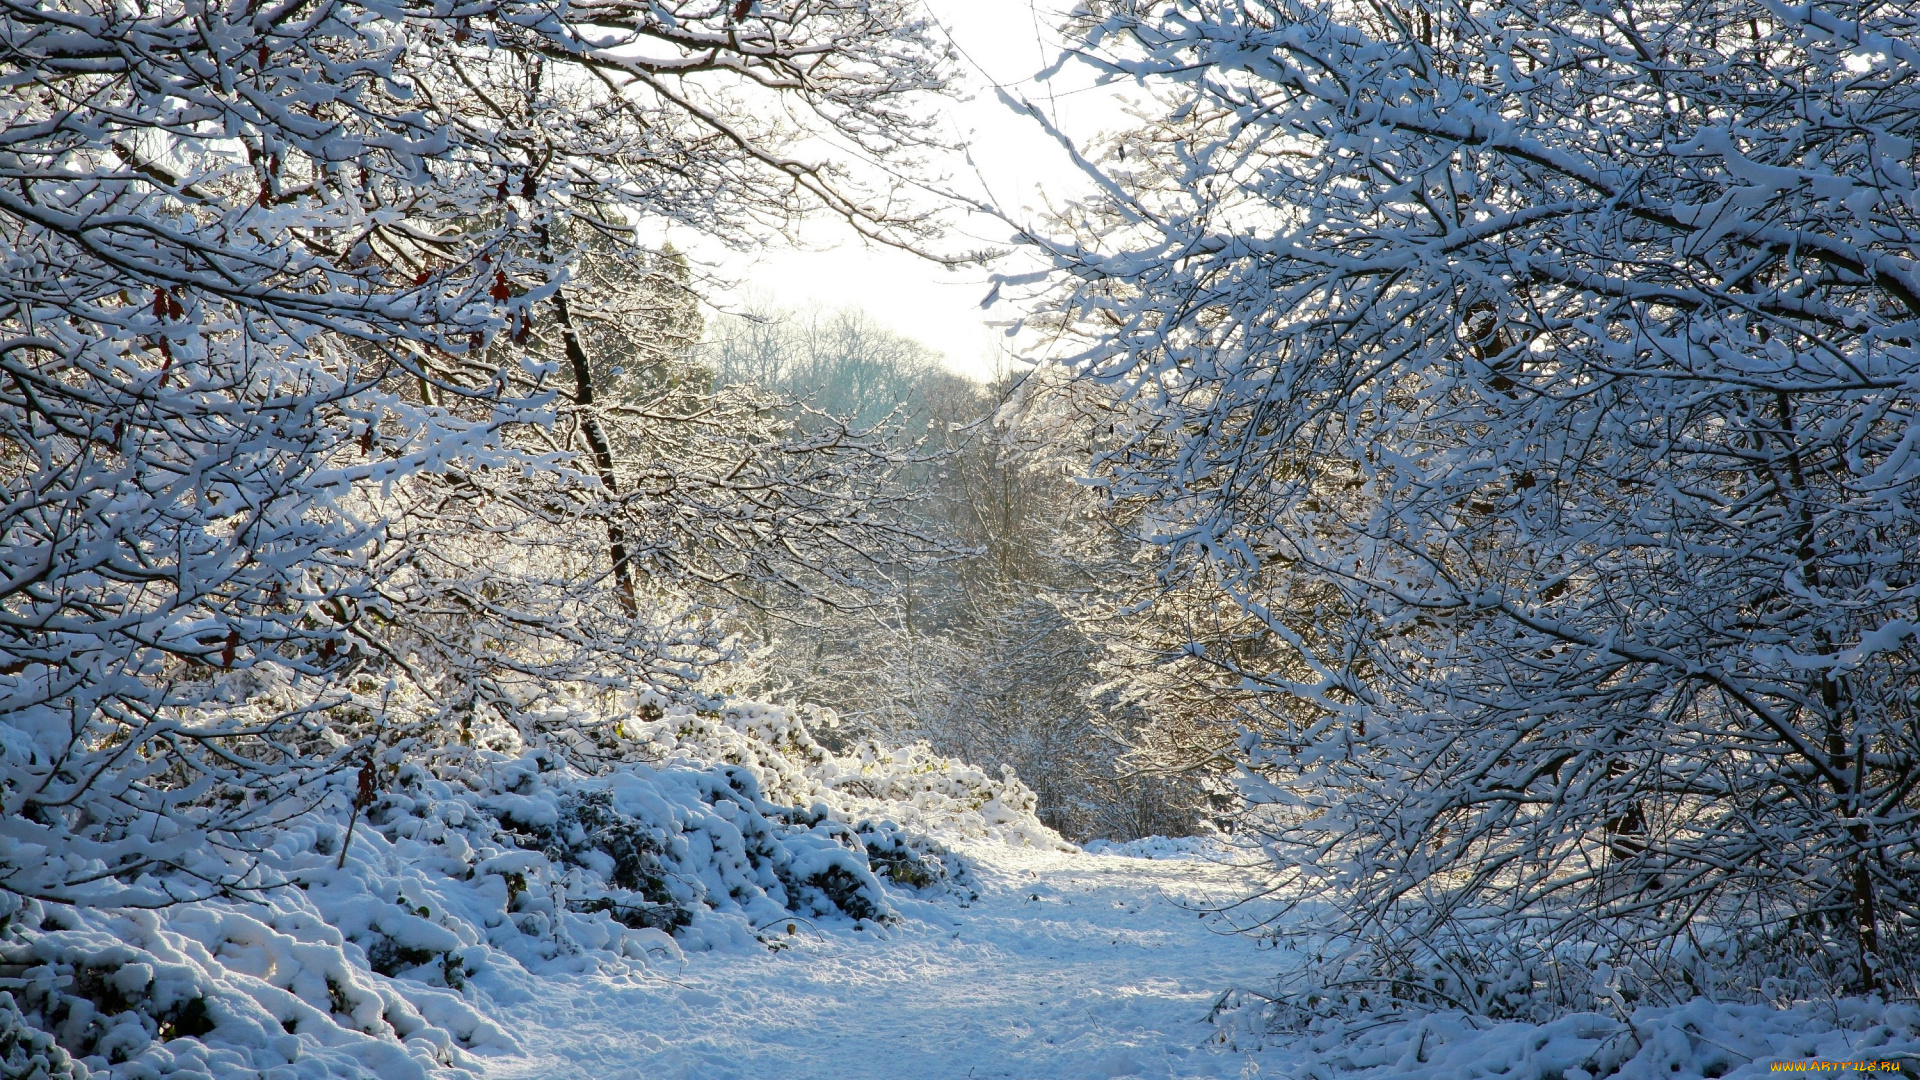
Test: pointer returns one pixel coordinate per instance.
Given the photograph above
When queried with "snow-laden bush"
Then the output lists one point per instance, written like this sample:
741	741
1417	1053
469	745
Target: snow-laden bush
911	785
352	951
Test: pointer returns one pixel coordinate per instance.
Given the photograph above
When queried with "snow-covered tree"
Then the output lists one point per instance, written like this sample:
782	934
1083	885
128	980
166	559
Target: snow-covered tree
992	672
268	335
1011	671
1540	377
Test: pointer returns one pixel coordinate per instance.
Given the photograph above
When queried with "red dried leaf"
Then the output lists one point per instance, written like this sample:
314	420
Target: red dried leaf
369	786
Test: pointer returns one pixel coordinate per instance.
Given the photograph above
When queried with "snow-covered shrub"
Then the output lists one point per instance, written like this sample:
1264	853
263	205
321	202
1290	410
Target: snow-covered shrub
26	1051
911	785
912	860
222	988
928	791
654	847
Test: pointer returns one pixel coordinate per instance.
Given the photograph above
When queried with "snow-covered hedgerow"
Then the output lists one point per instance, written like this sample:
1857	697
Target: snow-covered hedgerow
372	914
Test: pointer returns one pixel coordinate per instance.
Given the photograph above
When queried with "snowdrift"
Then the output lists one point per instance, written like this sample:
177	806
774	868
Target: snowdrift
700	829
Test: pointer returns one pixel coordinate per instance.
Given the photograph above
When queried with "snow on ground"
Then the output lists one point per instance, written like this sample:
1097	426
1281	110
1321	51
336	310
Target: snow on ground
1076	965
1067	966
733	900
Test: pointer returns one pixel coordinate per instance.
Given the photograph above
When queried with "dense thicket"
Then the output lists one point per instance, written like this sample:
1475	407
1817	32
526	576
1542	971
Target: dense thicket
1536	381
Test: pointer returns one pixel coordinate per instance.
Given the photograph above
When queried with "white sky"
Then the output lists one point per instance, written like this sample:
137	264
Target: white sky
1013	161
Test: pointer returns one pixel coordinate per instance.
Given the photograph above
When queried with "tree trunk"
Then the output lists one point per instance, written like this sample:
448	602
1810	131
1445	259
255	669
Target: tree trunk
601	448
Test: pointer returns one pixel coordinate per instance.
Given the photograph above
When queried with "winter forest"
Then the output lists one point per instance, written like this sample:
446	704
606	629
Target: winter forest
1431	589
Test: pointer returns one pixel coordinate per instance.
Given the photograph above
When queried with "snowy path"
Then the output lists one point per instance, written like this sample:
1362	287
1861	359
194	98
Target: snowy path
1069	966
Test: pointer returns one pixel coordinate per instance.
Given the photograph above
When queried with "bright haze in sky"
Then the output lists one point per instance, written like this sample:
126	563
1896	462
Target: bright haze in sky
1013	163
